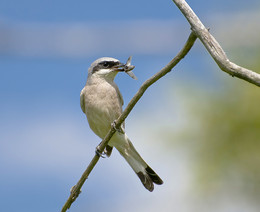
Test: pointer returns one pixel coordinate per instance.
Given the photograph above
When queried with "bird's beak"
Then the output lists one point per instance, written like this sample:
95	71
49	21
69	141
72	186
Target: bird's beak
120	67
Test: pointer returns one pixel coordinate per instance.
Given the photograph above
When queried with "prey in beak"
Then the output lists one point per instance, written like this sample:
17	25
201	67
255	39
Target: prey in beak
127	68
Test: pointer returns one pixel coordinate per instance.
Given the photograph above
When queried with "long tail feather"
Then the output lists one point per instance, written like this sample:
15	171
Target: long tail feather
147	175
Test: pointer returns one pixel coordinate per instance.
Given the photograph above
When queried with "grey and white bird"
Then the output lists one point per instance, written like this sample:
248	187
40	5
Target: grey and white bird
102	103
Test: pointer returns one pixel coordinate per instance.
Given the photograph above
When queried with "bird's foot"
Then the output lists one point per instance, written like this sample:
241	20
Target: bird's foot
120	130
99	153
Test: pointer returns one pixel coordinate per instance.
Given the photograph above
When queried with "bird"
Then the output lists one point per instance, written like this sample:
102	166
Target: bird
102	102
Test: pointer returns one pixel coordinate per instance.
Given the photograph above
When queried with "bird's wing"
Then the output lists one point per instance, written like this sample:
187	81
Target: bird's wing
82	101
119	96
121	100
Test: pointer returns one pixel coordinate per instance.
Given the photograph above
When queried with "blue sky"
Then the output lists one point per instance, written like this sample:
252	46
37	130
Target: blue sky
68	11
45	142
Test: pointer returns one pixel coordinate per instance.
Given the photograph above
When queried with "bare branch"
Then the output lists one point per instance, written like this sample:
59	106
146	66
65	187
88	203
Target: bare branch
214	48
75	191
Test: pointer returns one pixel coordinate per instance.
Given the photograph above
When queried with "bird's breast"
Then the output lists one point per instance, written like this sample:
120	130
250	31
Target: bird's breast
102	107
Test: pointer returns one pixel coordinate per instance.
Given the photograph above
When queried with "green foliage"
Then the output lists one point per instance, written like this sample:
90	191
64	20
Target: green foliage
220	132
228	145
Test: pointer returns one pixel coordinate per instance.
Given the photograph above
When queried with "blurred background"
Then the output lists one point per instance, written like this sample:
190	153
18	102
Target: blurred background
198	128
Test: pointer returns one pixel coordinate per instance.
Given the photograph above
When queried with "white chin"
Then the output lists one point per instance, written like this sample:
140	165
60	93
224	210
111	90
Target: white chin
107	73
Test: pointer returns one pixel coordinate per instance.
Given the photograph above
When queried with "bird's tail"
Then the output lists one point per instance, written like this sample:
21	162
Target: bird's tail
145	173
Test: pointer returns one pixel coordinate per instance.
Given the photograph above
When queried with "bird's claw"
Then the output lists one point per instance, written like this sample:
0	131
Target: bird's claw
99	153
120	130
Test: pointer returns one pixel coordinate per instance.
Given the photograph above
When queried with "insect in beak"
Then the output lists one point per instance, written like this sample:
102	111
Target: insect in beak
127	68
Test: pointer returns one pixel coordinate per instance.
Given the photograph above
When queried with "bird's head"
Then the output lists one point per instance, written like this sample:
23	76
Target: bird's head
107	68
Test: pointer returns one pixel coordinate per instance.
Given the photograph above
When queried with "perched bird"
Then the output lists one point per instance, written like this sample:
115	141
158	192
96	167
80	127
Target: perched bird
102	102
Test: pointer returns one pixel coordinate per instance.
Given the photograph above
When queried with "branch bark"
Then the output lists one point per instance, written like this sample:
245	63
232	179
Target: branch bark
214	48
75	191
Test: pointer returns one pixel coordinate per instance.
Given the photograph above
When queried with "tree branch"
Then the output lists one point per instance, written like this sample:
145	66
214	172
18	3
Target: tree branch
75	191
217	53
213	46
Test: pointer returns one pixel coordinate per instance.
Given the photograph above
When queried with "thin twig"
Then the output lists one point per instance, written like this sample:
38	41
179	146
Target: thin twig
214	48
75	191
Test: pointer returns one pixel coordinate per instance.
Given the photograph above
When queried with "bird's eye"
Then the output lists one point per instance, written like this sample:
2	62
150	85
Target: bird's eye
106	64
